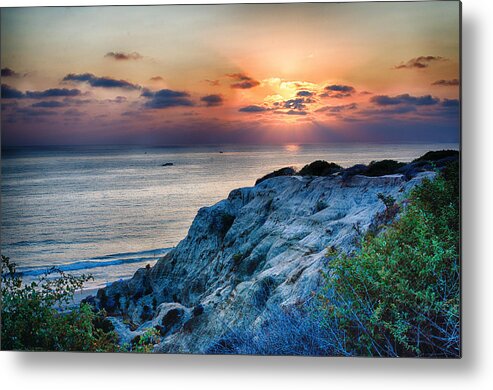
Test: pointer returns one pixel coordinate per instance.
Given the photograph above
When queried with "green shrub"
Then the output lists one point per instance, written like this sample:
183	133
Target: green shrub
437	155
37	316
384	167
320	168
288	171
33	317
399	294
143	343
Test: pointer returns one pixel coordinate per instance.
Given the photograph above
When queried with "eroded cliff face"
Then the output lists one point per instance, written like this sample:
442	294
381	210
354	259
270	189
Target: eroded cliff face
262	247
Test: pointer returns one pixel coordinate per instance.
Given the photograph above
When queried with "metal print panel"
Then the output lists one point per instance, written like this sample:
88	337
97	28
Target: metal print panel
267	179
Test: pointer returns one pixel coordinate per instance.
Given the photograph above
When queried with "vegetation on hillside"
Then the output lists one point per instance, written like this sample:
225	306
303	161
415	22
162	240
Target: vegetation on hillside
37	316
399	294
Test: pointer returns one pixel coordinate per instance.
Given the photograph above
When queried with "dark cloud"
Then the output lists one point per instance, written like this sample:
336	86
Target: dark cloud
243	81
7	72
12	93
49	104
52	92
101	82
118	100
305	93
448	109
33	113
339	88
291	112
296	104
338	91
419	62
253	108
337	109
156	78
119	56
212	100
450	103
9	92
384	100
446	83
135	113
294	112
78	102
73	112
166	98
394	110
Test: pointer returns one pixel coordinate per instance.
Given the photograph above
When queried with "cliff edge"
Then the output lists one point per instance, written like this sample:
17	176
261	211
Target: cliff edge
263	247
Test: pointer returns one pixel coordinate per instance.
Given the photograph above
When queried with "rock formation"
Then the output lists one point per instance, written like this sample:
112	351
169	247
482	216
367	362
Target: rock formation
262	247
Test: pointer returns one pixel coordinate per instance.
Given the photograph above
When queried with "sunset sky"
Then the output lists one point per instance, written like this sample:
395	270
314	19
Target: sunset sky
380	72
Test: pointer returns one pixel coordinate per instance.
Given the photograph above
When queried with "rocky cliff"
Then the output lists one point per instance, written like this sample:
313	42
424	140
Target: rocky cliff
262	247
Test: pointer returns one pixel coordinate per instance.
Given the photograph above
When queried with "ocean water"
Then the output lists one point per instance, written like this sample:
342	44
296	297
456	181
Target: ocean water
108	211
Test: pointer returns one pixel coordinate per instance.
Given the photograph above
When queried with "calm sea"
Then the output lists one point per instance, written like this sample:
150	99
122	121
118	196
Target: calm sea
111	210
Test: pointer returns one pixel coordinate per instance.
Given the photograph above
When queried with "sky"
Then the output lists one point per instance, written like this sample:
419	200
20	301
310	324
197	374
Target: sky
236	74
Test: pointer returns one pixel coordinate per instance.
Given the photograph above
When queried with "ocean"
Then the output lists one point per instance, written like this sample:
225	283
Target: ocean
109	210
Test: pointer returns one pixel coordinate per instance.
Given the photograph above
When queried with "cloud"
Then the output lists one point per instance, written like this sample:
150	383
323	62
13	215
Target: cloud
166	98
101	82
9	92
338	91
242	81
291	112
394	110
52	92
339	88
49	104
384	100
7	72
213	83
78	102
32	113
156	78
305	93
450	103
73	112
253	108
212	100
119	56
118	100
337	109
297	104
419	62
446	83
294	112
12	93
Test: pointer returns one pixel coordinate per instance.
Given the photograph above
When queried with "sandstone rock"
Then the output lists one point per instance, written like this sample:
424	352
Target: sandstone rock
262	247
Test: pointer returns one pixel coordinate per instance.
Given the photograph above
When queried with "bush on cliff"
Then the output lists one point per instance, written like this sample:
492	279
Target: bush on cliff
437	155
320	168
399	294
35	316
288	171
383	167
